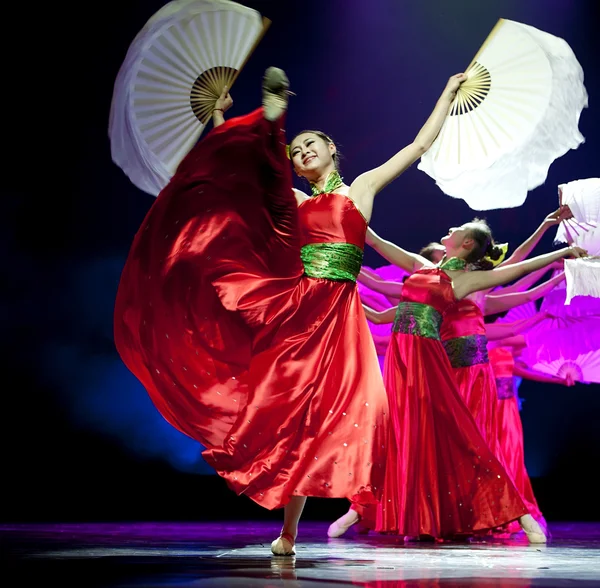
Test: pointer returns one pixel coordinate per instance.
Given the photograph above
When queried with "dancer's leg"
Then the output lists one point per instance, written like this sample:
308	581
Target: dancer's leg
284	544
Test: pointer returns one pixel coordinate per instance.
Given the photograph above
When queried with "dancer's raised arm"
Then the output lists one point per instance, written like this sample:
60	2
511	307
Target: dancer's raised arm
366	186
380	317
495	303
406	260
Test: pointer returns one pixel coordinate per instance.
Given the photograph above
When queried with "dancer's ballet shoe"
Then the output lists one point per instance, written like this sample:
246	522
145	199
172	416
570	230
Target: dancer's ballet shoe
284	545
533	530
275	93
339	527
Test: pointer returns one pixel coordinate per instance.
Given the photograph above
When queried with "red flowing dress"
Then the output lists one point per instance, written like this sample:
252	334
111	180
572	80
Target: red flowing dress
510	427
441	478
239	313
464	338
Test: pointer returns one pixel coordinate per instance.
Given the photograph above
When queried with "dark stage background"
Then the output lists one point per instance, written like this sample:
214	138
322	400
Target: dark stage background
80	438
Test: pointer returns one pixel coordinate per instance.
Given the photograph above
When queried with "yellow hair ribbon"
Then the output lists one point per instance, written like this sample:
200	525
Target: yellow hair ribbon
287	151
496	262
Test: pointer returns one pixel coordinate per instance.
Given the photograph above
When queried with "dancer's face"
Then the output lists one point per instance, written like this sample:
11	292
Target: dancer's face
455	237
311	155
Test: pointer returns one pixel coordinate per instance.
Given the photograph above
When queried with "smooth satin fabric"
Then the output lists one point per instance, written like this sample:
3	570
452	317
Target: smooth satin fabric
476	383
273	372
441	477
510	431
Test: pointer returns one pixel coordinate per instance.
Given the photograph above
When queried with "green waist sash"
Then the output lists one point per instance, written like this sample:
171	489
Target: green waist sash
421	320
332	261
467	351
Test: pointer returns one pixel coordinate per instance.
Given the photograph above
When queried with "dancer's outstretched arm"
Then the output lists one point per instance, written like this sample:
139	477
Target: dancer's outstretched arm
525	248
406	260
366	186
495	303
464	283
524	372
496	331
382	317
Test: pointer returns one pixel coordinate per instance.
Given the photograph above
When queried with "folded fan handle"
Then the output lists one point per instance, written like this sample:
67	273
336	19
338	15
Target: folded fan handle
492	34
266	25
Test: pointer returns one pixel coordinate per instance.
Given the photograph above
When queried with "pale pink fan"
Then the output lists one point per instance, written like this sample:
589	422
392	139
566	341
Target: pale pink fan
580	307
378	301
565	346
519	313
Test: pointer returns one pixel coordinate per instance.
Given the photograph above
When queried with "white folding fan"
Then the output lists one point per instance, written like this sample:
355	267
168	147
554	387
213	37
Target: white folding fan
173	73
583	199
515	114
582	278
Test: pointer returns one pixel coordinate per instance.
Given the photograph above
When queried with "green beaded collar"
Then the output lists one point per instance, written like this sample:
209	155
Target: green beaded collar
454	263
333	182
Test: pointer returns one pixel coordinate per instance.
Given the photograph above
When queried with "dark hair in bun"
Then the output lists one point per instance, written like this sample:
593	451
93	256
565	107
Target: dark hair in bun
484	246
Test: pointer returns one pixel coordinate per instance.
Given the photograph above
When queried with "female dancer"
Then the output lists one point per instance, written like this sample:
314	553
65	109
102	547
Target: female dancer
441	478
239	312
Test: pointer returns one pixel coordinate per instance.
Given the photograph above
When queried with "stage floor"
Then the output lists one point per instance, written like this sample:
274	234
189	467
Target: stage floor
237	555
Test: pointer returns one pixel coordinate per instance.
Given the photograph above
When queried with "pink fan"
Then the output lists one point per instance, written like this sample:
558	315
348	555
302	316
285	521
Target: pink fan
380	302
518	313
580	307
371	298
583	199
565	346
393	273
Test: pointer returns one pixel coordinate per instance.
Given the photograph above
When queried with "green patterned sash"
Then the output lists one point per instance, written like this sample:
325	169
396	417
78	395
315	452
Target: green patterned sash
466	351
421	320
332	261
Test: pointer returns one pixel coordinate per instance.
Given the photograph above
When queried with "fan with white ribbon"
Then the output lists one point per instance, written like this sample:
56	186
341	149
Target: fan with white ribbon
583	199
582	277
167	87
516	113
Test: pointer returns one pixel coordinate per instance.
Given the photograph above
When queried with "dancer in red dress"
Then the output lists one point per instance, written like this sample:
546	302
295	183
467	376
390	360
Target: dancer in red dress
442	479
238	310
